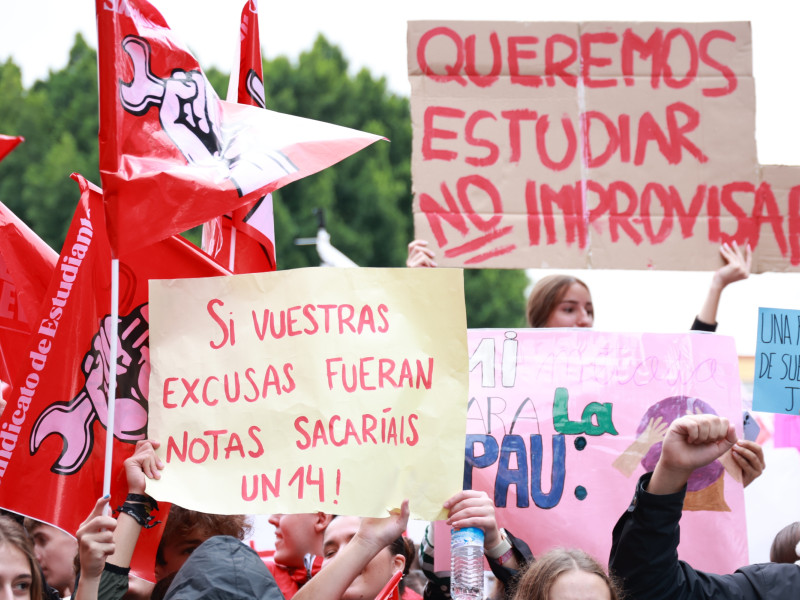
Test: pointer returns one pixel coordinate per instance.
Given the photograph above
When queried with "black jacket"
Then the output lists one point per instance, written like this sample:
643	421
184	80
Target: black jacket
644	555
223	568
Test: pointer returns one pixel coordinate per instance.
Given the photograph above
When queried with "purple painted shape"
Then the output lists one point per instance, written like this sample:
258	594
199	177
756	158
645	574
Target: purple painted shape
670	409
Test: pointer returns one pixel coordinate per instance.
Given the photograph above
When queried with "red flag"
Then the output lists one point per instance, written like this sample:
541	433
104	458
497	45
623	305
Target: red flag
247	77
26	267
391	591
8	143
244	240
53	432
172	155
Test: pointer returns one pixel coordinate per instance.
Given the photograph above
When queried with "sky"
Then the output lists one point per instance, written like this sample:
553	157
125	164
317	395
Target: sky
38	34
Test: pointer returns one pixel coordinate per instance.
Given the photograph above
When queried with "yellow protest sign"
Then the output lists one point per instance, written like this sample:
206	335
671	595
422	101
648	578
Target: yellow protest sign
340	390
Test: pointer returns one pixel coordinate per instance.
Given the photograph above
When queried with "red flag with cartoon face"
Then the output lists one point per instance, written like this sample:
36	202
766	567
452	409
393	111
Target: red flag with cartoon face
172	154
244	240
26	267
53	431
8	143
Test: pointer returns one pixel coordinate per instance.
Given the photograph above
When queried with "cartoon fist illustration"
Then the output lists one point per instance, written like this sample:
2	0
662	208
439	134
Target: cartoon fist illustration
190	114
74	420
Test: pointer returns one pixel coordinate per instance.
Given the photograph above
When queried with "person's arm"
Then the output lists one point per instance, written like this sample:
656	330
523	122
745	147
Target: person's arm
736	268
143	464
691	442
419	255
336	576
95	543
644	551
502	567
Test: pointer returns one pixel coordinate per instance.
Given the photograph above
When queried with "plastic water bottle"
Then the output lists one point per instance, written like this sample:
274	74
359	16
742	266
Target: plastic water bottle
466	564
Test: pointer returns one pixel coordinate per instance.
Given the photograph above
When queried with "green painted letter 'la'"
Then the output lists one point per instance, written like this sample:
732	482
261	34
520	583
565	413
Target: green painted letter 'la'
602	412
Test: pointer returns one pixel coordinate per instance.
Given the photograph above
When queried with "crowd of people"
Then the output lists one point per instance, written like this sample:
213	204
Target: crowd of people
321	556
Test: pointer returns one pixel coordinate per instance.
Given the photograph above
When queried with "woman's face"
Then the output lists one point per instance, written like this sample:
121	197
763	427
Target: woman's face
573	310
292	535
15	574
377	572
579	585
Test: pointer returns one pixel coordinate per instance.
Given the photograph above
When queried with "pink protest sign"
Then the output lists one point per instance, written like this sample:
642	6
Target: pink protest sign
561	424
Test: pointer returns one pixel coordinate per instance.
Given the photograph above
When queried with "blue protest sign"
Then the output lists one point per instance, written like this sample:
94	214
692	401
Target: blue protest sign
776	386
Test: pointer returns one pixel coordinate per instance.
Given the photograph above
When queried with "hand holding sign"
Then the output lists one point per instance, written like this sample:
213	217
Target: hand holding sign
749	457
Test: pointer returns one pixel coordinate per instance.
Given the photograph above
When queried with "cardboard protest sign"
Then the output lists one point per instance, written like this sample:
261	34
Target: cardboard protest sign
612	145
776	386
340	390
561	423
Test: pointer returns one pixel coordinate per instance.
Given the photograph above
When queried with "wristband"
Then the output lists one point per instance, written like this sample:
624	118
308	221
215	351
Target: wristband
501	560
502	548
148	502
139	507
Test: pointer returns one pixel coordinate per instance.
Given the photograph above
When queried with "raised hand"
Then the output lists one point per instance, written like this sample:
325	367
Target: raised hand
96	540
380	532
737	264
691	442
736	268
419	255
143	464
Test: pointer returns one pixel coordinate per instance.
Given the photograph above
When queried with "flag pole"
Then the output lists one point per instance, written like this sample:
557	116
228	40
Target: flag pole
112	375
232	251
7	371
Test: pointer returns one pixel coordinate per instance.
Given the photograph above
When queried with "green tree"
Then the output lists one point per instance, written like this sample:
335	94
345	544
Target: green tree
58	117
366	198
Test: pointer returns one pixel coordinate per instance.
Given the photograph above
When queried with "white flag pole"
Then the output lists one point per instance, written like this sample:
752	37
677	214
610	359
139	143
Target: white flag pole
232	249
112	375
